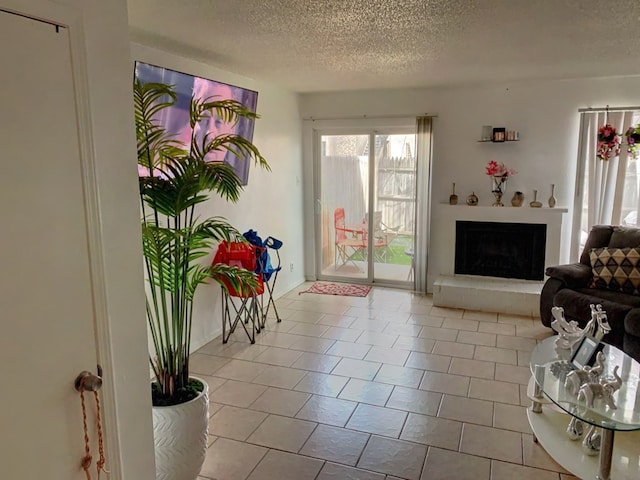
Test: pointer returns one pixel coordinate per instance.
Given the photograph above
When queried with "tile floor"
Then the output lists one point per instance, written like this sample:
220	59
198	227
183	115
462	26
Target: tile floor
383	387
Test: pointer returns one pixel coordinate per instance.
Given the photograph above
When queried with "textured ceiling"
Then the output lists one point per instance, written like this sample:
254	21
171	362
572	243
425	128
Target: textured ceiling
325	45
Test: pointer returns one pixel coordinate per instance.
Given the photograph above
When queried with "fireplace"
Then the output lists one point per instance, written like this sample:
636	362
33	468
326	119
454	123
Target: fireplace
500	249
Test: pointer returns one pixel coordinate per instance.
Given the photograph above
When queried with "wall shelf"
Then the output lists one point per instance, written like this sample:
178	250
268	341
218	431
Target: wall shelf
493	141
498	134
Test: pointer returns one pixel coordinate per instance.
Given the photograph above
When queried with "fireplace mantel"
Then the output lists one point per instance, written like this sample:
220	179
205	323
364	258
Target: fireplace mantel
463	291
524	211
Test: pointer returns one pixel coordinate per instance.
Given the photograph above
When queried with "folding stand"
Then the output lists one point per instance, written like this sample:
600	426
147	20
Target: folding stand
248	309
267	273
245	312
270	279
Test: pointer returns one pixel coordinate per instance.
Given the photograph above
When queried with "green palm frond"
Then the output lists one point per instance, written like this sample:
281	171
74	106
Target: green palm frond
154	144
180	189
222	179
198	274
151	98
235	144
218	229
227	110
239	279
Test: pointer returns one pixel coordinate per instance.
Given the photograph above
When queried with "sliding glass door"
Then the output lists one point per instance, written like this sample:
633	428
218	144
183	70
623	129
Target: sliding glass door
344	193
365	198
393	206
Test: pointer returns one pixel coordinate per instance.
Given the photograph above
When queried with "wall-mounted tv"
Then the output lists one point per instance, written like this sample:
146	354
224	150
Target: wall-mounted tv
176	118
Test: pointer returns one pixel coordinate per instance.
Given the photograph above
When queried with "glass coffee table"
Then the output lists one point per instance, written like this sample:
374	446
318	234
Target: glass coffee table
554	407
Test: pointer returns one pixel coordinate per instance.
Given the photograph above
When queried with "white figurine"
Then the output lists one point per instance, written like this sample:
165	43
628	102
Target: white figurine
605	390
592	440
600	316
569	334
576	378
575	429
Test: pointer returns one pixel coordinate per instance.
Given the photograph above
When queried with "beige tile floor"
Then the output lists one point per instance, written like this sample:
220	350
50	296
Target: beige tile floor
383	387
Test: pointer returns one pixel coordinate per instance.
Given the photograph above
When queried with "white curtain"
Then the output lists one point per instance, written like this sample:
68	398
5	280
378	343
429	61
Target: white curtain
423	154
603	193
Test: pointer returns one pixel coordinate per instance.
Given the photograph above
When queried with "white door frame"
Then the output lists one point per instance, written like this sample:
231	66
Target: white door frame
313	130
121	341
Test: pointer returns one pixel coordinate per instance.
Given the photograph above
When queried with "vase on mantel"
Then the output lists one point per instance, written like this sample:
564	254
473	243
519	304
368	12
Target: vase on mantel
499	185
535	203
552	199
517	199
453	198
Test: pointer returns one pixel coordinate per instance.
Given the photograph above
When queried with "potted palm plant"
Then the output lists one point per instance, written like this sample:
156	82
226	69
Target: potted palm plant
174	180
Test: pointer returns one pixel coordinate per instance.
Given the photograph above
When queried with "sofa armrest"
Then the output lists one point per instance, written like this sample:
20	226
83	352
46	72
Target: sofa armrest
573	275
549	290
632	322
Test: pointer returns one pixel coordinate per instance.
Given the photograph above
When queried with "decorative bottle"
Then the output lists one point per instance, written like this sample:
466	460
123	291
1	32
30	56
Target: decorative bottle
453	198
552	199
535	203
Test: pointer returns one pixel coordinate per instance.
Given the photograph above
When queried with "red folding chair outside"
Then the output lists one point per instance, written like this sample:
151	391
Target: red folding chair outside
246	306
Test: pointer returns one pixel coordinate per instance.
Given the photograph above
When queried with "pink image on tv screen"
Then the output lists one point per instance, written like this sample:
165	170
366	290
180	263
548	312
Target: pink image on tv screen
176	118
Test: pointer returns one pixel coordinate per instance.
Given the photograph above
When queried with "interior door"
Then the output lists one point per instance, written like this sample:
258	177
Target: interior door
47	309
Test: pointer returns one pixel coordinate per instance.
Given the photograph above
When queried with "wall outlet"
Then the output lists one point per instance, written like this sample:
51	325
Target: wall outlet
291	267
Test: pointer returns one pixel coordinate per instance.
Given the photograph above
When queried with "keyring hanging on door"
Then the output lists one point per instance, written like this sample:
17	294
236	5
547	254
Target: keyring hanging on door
88	382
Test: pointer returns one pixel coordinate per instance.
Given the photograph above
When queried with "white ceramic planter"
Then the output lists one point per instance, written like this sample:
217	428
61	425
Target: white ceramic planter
180	435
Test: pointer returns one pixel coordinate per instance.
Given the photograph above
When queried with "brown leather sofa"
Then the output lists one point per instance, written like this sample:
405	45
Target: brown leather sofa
574	287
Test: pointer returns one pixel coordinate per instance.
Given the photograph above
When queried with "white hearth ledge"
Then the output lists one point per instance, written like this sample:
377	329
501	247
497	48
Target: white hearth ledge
488	294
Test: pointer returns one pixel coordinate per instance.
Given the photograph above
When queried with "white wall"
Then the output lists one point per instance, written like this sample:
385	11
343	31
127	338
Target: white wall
545	113
271	202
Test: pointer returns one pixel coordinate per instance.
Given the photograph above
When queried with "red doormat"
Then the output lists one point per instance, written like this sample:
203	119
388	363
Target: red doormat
346	289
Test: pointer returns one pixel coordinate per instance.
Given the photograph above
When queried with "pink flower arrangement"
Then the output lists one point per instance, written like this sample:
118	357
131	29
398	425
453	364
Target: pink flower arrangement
495	169
633	140
608	142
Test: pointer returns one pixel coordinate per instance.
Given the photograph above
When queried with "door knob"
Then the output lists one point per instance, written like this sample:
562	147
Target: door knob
88	382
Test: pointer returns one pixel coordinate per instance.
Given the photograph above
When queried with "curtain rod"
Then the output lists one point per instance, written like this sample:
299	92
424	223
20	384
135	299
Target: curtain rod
610	109
358	117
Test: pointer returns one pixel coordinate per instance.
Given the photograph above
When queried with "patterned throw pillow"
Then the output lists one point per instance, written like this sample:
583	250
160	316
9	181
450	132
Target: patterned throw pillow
616	269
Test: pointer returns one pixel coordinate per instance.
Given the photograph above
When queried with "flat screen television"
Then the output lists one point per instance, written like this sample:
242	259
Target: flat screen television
176	118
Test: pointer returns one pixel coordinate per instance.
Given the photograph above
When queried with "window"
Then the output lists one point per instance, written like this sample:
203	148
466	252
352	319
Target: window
607	192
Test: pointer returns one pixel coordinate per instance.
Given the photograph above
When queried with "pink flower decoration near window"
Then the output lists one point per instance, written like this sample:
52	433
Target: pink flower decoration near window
608	142
633	140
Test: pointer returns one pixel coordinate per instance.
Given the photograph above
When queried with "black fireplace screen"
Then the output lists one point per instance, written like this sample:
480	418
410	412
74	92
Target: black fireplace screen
496	249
